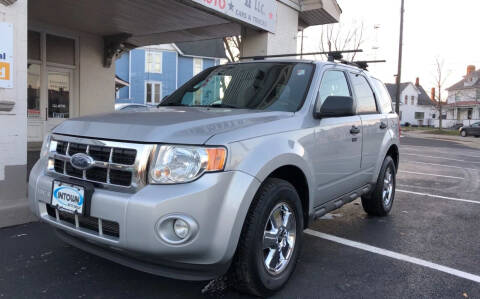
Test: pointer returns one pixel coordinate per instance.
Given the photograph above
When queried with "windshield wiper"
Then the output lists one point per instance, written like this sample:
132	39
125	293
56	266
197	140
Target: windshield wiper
224	106
171	104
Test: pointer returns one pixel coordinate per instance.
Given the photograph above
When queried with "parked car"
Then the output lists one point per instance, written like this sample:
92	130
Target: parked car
472	130
457	127
226	174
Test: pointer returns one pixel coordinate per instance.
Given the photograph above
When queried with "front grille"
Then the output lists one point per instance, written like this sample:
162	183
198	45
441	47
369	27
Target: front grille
114	164
100	226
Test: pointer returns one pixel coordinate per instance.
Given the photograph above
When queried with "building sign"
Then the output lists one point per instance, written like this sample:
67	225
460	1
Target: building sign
6	55
259	13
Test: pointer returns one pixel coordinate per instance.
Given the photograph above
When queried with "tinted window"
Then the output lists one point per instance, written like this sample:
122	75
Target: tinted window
384	99
264	86
363	92
334	83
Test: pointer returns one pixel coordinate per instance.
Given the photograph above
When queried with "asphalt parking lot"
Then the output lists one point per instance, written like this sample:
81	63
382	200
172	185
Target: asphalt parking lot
427	248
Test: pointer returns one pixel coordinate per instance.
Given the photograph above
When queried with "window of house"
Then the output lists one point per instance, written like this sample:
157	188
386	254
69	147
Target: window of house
469	113
457	96
413	100
197	65
365	97
153	92
153	62
419	115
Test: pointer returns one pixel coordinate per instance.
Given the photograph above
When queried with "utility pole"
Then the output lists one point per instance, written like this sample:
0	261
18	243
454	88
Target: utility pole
400	48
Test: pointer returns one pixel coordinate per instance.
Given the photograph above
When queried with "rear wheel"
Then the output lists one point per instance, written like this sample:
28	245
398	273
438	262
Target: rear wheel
380	201
463	133
270	242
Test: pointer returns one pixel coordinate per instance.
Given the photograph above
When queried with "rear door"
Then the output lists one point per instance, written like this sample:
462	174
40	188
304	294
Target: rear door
337	150
374	123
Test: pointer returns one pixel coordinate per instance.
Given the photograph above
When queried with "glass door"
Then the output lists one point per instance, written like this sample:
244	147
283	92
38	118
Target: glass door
59	97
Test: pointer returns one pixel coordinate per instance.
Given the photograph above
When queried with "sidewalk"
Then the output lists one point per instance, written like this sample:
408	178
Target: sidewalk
466	141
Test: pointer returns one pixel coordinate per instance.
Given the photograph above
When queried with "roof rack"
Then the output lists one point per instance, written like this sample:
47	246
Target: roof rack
363	64
332	55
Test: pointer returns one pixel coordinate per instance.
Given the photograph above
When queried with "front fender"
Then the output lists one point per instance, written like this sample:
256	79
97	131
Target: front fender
261	156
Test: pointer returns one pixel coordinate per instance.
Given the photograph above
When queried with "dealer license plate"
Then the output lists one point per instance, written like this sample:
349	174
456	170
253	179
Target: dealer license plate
67	197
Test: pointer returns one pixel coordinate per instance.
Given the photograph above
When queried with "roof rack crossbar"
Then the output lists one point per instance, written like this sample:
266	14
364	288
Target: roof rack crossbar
332	55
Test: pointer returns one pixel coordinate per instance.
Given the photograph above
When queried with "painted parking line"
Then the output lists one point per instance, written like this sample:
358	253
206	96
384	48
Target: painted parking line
394	255
435	196
467	153
438	157
431	174
443	165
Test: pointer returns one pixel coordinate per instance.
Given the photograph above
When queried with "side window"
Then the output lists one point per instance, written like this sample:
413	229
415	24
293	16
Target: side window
334	83
384	99
364	93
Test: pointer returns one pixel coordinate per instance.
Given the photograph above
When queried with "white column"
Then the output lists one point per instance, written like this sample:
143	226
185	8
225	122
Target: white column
13	124
284	40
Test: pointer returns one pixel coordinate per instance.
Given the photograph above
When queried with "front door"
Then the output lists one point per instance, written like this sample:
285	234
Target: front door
58	106
338	151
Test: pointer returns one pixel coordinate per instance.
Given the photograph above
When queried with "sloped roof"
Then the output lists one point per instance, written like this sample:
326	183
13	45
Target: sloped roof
205	48
392	89
461	84
423	98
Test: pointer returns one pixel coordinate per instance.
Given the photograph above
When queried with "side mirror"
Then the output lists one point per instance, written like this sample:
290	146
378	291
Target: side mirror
336	106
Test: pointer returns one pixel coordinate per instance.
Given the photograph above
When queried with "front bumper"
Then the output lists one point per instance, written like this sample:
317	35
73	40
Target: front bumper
218	202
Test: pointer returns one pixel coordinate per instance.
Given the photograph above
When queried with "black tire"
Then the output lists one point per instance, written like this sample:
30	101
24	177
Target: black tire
248	273
374	203
463	133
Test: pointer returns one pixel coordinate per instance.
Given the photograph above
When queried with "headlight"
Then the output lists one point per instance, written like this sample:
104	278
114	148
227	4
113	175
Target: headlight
181	164
45	146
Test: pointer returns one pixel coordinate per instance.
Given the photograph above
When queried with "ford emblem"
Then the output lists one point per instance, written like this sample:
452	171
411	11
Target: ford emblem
81	161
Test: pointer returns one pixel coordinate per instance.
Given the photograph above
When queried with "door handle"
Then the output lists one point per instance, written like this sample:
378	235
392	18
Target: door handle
354	130
383	125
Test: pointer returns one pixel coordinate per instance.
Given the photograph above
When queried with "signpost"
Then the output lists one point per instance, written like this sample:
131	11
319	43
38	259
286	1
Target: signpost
6	55
258	13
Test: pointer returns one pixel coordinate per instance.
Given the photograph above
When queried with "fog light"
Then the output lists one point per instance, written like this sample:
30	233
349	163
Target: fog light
181	228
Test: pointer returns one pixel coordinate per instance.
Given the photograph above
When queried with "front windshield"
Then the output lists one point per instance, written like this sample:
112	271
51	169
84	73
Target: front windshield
273	86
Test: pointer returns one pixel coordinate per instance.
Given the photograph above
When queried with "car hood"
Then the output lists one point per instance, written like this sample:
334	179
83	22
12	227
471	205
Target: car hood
180	125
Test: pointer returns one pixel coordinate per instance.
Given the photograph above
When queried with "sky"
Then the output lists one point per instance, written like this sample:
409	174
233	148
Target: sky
432	28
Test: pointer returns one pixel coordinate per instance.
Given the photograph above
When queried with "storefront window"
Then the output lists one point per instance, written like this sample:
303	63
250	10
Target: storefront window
33	94
58	95
60	50
34	46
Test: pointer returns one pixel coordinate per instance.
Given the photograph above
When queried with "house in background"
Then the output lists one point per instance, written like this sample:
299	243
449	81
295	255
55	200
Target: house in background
463	103
416	107
154	72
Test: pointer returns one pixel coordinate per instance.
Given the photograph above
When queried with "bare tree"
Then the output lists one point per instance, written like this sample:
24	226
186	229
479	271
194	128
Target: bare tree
439	78
336	38
233	46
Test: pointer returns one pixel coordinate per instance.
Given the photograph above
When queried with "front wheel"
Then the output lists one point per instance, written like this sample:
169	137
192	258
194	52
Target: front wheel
380	201
463	133
271	239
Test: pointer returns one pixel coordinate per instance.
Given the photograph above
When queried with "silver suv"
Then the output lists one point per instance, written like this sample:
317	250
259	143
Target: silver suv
224	176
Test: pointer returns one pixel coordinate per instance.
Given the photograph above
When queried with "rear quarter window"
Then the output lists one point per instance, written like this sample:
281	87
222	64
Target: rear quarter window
384	99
